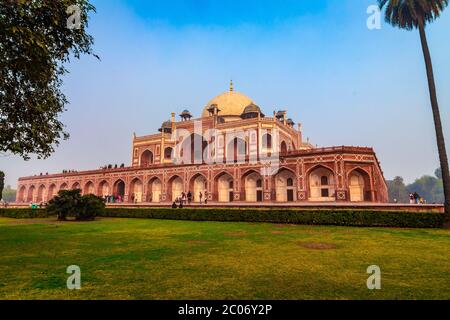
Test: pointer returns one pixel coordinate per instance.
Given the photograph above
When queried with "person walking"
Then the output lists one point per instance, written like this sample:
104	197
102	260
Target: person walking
200	196
416	198
206	197
411	198
189	197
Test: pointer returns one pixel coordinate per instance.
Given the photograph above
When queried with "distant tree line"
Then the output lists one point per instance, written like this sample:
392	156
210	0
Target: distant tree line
428	187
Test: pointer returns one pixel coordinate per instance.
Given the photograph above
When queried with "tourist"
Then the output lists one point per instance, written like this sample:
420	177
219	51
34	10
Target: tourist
206	197
189	197
174	205
181	205
183	197
132	198
411	198
416	198
200	196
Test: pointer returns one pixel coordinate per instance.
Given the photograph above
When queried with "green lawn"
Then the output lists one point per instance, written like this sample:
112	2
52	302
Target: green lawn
155	259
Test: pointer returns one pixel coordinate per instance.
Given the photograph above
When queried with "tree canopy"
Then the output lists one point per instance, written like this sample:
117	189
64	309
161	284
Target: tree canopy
409	14
428	187
37	37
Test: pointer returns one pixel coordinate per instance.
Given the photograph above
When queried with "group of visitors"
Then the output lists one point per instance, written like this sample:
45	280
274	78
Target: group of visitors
37	205
415	198
69	171
110	166
3	204
186	198
113	198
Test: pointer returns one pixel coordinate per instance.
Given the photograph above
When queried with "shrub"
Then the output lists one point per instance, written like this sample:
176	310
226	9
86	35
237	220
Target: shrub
70	203
65	204
362	218
26	213
89	207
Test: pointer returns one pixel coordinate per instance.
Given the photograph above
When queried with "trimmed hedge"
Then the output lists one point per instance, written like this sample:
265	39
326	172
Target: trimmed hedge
359	218
23	213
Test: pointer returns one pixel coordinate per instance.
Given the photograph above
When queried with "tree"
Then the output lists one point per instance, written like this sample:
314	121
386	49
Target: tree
2	183
429	188
89	207
37	37
416	14
70	203
397	190
65	203
9	194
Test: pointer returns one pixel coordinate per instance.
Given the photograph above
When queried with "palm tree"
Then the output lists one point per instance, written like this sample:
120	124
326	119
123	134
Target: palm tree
416	14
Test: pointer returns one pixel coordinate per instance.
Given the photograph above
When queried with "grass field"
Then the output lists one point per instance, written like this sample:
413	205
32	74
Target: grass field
155	259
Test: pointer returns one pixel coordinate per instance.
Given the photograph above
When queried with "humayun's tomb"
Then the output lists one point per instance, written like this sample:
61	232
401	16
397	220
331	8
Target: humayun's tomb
232	153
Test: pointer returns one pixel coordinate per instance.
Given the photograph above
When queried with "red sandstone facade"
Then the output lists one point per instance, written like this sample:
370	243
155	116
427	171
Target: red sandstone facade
230	166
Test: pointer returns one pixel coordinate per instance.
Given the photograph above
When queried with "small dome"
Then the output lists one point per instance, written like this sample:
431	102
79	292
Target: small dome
186	114
251	111
251	108
166	126
290	122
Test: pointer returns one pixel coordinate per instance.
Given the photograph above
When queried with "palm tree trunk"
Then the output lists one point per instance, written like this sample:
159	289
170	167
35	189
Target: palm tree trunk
437	122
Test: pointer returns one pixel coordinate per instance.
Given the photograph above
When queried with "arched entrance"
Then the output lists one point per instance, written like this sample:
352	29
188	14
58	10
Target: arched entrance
199	185
253	184
21	194
64	186
359	186
119	190
42	196
154	190
76	186
52	191
285	190
103	189
225	188
322	185
176	187
192	149
146	158
89	188
31	194
136	189
236	151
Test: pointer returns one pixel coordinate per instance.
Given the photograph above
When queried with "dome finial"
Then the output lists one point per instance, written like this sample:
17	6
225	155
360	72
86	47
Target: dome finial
231	86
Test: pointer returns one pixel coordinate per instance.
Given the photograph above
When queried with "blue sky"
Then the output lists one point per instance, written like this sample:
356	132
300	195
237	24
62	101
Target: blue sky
317	59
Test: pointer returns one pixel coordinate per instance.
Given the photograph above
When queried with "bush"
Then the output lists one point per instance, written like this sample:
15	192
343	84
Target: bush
89	207
70	203
26	213
361	218
358	218
65	204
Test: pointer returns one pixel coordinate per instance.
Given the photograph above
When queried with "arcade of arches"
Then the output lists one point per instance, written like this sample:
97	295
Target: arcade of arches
321	184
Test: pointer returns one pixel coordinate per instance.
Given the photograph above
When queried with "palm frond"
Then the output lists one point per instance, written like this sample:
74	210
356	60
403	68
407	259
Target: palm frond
409	14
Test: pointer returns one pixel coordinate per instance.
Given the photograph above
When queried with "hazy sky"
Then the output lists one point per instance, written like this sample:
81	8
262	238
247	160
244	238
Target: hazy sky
317	59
